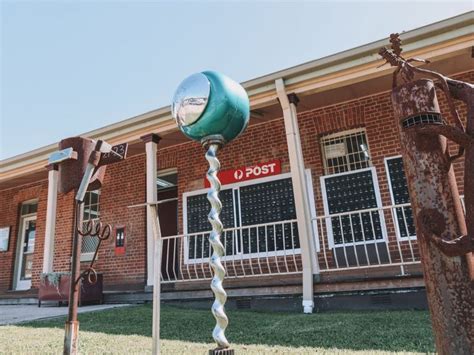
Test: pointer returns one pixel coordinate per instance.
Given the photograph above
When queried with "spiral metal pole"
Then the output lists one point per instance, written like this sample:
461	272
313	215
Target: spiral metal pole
217	247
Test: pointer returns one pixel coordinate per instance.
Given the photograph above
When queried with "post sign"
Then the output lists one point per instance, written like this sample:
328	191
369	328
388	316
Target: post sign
244	173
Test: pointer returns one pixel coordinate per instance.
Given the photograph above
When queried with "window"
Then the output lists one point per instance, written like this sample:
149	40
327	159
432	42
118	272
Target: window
353	192
166	180
251	203
91	213
404	224
29	207
345	151
350	185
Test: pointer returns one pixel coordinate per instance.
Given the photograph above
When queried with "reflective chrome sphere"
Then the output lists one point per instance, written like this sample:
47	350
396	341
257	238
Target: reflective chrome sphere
210	104
190	99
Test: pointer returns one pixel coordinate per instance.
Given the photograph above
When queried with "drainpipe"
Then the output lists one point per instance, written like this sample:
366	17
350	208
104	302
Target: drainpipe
303	215
151	141
48	253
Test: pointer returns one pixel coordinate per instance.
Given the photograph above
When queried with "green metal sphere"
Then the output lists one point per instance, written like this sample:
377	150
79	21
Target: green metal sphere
210	104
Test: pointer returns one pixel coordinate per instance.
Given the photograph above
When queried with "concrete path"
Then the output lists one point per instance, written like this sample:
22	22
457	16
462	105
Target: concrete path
25	313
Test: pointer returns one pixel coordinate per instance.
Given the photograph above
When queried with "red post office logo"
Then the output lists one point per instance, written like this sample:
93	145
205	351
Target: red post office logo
248	172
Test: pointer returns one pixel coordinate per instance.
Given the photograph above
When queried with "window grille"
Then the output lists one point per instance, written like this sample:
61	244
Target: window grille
399	195
91	213
428	118
251	204
345	151
352	198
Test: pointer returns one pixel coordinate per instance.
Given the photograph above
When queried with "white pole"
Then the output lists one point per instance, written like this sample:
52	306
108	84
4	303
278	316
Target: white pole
50	227
298	178
153	212
151	141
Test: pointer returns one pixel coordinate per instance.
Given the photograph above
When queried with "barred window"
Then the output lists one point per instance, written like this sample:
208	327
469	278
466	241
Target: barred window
345	151
404	223
350	190
266	203
91	213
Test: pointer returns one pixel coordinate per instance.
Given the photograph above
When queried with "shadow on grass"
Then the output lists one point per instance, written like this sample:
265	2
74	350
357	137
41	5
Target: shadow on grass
386	331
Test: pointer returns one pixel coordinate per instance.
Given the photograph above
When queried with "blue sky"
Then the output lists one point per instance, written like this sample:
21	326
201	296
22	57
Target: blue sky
68	67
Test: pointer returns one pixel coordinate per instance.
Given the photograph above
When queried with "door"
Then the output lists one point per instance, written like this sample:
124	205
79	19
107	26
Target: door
26	252
168	215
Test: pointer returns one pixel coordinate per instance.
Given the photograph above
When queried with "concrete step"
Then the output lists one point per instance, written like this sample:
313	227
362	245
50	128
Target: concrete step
18	301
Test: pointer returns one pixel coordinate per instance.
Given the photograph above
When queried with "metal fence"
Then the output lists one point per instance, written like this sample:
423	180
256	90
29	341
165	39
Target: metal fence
256	250
370	238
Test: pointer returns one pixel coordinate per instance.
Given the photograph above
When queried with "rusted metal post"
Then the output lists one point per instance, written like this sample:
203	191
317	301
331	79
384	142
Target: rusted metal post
84	172
72	324
436	204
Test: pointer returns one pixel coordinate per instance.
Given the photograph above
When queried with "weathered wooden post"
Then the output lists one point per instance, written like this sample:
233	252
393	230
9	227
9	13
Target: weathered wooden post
444	242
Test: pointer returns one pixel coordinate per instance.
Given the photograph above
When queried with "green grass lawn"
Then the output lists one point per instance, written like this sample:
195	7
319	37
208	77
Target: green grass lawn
187	331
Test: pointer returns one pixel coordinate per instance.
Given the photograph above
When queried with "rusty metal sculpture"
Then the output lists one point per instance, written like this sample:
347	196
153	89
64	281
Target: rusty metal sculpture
102	233
82	168
464	137
446	244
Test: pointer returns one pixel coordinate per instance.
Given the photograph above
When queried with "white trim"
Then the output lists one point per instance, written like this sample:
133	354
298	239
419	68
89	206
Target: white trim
328	216
342	133
236	186
312	208
392	199
50	222
166	172
21	285
29	202
88	257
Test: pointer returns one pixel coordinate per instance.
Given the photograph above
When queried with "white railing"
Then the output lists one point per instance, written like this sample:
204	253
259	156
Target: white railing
257	250
370	238
376	237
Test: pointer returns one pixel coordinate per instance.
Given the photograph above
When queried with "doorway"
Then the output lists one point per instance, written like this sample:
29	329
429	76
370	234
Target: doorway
168	215
26	246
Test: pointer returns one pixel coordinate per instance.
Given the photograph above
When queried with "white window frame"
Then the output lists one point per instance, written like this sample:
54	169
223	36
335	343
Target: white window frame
337	135
85	257
235	187
328	216
392	200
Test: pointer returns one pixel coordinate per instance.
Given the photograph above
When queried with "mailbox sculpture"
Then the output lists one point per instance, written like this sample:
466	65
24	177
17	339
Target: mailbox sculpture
445	235
213	109
82	164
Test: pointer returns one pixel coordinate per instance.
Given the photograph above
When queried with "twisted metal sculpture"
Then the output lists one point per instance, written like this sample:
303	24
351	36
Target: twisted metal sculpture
92	229
217	247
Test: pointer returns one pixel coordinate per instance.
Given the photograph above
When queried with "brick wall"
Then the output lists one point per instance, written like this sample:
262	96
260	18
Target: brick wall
124	183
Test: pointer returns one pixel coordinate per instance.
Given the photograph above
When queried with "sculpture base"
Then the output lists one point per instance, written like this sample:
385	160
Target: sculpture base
221	352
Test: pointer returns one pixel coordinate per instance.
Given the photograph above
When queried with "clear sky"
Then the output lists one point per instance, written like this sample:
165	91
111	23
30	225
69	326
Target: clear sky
68	67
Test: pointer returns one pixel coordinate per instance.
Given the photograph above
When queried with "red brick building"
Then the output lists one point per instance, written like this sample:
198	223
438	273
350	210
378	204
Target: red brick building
347	229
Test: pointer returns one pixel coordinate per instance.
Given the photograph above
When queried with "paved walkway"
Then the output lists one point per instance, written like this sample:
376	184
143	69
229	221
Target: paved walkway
25	313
